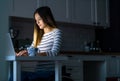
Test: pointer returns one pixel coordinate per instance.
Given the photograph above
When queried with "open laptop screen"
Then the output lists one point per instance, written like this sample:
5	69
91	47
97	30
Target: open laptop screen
9	46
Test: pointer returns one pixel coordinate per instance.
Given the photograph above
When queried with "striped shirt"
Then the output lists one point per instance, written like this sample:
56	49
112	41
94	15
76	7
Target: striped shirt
50	43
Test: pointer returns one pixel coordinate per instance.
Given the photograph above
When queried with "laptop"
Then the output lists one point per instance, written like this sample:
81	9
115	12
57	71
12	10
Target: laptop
10	51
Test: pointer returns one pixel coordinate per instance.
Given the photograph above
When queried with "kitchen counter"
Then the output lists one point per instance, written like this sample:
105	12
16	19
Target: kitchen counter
100	64
89	53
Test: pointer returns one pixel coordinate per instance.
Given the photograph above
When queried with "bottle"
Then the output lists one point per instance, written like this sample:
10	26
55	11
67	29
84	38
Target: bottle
86	47
98	49
91	46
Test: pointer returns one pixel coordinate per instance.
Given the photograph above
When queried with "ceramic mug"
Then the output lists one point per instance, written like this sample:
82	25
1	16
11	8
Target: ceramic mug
32	51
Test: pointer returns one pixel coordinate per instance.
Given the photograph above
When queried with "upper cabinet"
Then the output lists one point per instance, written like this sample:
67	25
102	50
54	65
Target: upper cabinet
60	9
87	12
91	12
101	13
23	8
81	11
113	66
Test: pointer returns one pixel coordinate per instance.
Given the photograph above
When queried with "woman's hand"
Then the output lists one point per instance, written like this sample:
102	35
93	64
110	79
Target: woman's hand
22	53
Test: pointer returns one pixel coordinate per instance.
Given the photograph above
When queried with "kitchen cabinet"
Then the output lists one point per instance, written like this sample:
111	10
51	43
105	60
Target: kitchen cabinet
81	12
87	12
60	9
113	66
23	8
90	12
74	67
102	65
94	71
81	66
101	13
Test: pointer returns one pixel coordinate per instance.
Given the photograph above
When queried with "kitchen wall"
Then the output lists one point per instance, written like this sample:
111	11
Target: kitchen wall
74	35
4	12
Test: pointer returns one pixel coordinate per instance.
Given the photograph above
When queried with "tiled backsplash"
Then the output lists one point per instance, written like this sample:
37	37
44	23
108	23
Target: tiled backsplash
74	36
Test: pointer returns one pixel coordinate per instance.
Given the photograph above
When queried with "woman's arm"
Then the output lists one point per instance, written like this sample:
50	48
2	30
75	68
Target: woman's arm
56	45
22	53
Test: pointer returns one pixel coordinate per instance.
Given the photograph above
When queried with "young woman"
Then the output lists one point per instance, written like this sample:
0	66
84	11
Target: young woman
47	39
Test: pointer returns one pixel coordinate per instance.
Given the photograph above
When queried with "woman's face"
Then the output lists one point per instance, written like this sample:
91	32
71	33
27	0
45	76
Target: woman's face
39	21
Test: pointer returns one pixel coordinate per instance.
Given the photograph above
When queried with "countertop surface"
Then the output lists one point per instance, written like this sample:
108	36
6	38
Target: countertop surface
89	53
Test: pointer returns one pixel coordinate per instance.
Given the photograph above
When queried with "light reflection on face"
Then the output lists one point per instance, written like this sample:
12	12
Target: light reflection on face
39	21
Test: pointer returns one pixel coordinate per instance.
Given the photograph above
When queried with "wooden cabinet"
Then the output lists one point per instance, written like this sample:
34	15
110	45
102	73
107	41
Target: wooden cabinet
101	67
86	67
81	12
75	68
23	8
113	66
87	12
94	70
90	12
101	13
60	9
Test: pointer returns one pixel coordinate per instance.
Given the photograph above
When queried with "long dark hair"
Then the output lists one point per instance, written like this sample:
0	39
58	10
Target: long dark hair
47	17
